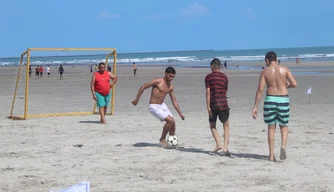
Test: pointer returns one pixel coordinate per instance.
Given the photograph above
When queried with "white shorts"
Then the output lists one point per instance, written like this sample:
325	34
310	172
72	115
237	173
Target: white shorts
160	111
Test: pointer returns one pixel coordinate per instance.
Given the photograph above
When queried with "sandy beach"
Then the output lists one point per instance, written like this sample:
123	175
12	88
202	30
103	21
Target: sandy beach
40	154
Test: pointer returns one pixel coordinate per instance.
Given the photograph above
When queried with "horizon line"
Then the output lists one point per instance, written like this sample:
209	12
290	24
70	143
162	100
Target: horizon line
167	51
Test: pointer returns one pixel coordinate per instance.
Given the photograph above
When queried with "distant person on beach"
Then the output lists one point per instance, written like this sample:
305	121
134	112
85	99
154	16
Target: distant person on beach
100	87
48	70
41	70
61	71
225	64
96	68
109	68
160	88
276	107
134	70
91	69
216	84
30	71
37	72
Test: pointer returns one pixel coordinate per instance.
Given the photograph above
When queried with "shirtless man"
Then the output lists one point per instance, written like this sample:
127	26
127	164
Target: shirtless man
160	88
134	70
276	107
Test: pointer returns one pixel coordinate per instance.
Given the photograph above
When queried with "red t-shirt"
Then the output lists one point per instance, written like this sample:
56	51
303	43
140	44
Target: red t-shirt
218	84
102	83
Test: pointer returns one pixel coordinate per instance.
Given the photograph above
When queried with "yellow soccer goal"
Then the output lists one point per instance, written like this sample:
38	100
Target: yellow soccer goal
45	93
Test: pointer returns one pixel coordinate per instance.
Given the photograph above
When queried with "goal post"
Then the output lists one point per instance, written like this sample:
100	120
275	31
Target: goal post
27	54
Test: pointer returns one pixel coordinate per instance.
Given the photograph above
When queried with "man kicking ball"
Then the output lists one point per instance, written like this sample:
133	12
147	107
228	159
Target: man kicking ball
157	107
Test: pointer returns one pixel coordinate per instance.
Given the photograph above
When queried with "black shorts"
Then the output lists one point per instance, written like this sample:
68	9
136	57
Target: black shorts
223	116
61	73
37	73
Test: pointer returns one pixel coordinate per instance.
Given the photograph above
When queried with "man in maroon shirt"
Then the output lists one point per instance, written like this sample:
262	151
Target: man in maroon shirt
216	84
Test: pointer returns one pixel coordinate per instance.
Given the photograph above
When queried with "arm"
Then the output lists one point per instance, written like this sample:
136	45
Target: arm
260	88
92	83
142	89
175	103
208	99
291	79
114	79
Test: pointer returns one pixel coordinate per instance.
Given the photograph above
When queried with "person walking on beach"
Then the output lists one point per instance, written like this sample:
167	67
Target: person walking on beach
37	72
41	70
160	88
48	70
61	71
134	70
30	71
276	107
216	84
100	87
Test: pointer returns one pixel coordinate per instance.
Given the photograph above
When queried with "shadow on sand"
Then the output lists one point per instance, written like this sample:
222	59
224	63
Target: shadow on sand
144	144
92	122
250	156
199	150
178	148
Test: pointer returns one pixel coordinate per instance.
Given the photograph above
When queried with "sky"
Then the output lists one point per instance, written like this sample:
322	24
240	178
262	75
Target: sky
164	25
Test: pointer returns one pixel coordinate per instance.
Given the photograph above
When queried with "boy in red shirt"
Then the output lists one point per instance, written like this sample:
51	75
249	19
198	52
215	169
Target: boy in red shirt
216	84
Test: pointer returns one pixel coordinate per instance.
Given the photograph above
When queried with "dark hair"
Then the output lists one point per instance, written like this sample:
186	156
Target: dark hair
215	63
102	63
271	56
170	70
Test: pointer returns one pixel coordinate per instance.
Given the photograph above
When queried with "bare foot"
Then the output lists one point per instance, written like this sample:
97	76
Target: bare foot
283	153
217	149
272	159
227	153
163	142
103	122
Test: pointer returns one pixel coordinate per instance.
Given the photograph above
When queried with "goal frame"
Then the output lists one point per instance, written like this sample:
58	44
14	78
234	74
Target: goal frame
27	53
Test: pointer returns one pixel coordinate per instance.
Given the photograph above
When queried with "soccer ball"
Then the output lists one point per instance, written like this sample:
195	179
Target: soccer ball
172	141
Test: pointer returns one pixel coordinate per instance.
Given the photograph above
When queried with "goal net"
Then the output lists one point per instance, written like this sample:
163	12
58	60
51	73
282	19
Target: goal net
58	85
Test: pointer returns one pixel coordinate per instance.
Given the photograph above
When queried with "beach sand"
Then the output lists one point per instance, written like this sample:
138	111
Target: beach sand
53	153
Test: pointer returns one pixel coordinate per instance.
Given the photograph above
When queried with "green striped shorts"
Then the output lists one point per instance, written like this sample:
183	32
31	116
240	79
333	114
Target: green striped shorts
276	109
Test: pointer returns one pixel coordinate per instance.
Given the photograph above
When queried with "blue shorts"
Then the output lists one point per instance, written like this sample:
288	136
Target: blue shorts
102	101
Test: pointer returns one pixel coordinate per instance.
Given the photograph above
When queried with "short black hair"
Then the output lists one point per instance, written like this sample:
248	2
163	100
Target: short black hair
271	56
215	63
170	70
102	63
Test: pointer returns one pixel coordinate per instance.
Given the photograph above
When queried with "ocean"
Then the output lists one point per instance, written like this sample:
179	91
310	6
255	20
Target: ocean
193	58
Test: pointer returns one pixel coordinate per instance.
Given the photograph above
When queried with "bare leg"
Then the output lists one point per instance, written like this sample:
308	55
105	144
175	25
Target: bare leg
216	137
284	138
101	110
226	126
168	127
271	140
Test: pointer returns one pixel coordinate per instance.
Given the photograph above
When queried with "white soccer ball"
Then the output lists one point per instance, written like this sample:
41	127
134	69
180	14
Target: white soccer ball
172	141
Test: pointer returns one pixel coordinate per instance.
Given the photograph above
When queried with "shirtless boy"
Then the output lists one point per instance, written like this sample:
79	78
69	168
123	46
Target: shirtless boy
276	107
160	88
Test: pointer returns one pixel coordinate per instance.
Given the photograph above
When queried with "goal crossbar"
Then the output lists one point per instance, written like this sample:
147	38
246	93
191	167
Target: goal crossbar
27	53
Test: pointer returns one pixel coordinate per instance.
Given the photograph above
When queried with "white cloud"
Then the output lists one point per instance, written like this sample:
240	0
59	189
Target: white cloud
194	9
105	14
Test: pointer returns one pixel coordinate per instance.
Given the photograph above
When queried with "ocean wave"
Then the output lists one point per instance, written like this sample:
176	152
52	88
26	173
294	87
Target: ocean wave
95	60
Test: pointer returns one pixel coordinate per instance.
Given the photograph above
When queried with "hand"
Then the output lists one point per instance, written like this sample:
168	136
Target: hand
182	117
94	97
210	112
288	84
135	102
254	113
